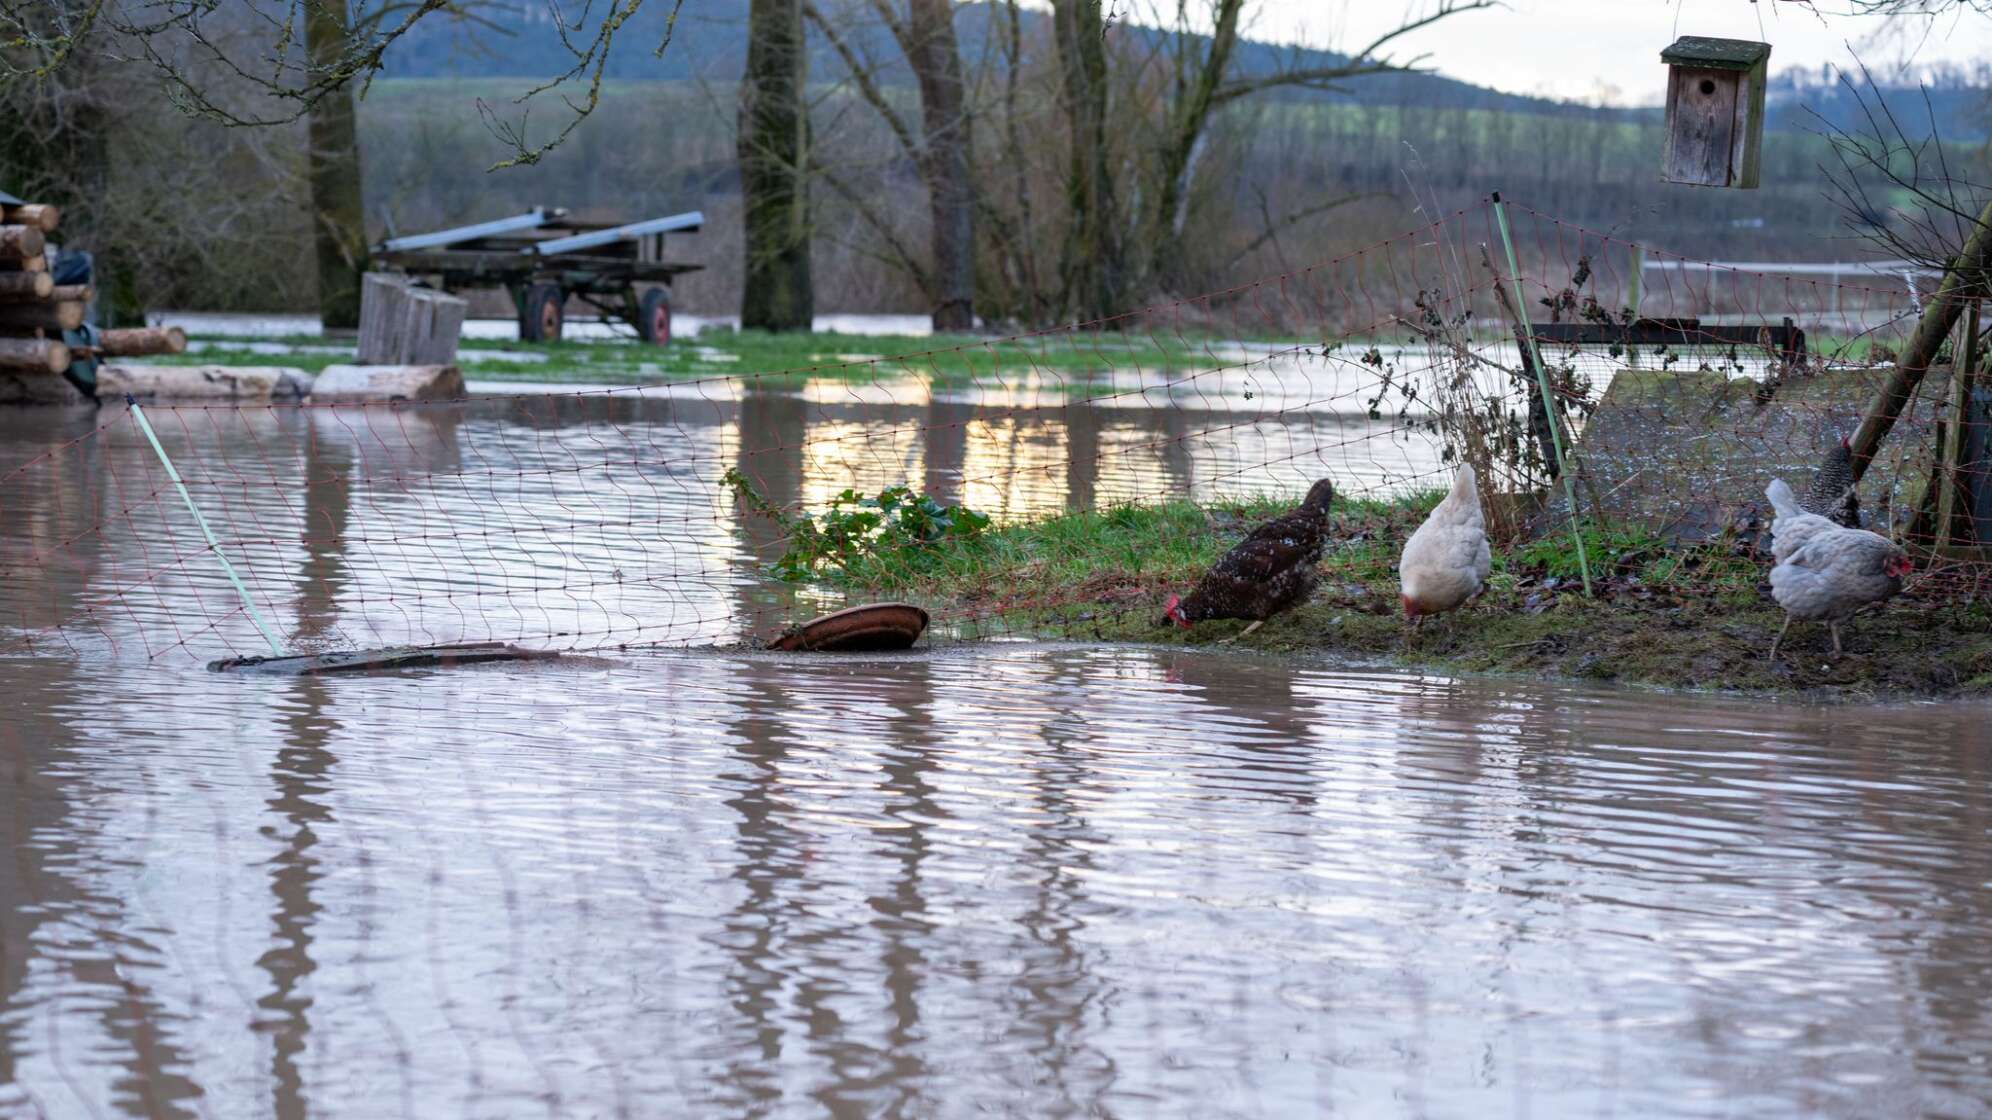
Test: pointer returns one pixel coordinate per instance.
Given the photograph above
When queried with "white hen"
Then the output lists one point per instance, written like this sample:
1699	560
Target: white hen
1445	562
1825	571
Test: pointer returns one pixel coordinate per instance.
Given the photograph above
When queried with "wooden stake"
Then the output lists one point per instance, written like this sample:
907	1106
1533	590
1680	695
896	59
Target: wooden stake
1956	494
136	342
19	243
25	287
38	215
37	354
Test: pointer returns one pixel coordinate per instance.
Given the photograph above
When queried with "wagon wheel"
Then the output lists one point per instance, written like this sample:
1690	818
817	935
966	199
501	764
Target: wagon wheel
653	318
540	313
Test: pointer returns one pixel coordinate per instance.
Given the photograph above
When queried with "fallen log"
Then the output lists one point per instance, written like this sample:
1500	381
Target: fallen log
26	287
80	293
44	316
135	342
36	263
19	243
34	354
39	215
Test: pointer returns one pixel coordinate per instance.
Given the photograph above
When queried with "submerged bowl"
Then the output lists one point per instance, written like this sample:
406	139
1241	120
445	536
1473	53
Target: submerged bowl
865	629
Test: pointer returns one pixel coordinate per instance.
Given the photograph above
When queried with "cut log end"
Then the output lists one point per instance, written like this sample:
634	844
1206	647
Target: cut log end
39	215
45	315
37	354
19	242
23	287
136	342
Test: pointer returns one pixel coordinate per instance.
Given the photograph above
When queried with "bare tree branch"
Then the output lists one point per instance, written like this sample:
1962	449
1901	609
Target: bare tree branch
1364	61
862	76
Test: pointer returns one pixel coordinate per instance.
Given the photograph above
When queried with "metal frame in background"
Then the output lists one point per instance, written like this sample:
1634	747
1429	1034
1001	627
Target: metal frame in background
543	254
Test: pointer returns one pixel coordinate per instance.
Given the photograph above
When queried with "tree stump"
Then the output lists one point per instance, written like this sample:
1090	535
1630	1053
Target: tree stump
403	325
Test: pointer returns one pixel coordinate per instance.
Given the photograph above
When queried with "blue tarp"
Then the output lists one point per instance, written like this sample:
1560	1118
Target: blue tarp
8	199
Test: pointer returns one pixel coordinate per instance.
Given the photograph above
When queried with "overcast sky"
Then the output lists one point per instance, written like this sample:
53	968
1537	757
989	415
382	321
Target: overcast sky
1581	49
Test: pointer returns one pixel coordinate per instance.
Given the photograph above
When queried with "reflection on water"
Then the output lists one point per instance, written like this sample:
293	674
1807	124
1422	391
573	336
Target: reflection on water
1015	879
579	521
1018	879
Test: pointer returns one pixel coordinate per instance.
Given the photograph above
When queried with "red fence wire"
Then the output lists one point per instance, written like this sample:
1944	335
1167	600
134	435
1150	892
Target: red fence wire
588	518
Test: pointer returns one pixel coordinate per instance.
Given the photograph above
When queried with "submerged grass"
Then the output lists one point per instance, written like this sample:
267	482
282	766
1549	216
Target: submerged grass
1694	618
1076	360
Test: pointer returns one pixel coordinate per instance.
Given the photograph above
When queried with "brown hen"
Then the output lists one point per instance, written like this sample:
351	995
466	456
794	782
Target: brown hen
1266	573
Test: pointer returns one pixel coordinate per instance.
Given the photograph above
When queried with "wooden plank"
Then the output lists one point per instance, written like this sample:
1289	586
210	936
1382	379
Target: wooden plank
1701	125
1747	157
1784	338
381	660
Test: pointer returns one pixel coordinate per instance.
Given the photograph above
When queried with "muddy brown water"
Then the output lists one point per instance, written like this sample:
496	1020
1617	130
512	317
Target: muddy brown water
1004	878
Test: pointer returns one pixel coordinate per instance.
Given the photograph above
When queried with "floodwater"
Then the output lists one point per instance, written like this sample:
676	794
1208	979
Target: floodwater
998	878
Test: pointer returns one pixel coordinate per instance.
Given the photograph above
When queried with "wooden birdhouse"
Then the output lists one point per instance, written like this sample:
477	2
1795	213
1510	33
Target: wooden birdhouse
1715	111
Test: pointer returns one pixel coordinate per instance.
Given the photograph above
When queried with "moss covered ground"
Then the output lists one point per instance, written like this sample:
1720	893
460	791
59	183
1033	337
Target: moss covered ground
1700	618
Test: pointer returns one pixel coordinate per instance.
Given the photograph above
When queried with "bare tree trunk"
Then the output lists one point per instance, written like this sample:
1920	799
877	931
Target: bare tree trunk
1093	272
936	61
339	227
774	161
1196	93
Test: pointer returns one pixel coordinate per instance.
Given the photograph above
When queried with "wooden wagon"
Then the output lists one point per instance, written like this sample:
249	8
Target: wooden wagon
543	258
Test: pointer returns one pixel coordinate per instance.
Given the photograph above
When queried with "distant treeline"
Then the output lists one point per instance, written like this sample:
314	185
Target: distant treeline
193	214
660	147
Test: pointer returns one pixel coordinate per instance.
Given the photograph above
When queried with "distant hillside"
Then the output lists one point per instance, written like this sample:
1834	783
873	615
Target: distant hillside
710	44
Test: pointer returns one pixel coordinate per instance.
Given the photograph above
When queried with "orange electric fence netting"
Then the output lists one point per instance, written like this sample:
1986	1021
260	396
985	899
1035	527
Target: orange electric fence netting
578	518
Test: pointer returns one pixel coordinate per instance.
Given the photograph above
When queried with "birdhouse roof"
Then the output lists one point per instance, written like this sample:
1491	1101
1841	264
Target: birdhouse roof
1704	53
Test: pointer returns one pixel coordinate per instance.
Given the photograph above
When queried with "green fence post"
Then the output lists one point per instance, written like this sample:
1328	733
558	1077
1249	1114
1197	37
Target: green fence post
1534	358
214	546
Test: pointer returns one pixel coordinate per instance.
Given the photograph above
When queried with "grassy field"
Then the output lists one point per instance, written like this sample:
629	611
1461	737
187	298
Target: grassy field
1699	618
778	358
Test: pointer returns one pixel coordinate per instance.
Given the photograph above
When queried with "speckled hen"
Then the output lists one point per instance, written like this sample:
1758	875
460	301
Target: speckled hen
1269	571
1832	495
1824	570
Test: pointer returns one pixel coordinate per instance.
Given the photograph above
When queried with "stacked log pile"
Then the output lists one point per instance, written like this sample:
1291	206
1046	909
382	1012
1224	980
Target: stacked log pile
35	310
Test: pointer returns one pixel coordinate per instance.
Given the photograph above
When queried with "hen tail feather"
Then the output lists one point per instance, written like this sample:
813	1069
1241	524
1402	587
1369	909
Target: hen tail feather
1782	499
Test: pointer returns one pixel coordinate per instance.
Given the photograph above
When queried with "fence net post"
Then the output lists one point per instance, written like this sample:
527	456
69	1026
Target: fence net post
1533	356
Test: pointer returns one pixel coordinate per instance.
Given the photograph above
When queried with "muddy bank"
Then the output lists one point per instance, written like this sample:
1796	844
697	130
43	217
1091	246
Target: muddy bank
1911	648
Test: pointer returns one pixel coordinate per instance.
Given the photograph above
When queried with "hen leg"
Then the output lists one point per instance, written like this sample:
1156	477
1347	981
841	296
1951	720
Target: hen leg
1243	632
1779	638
